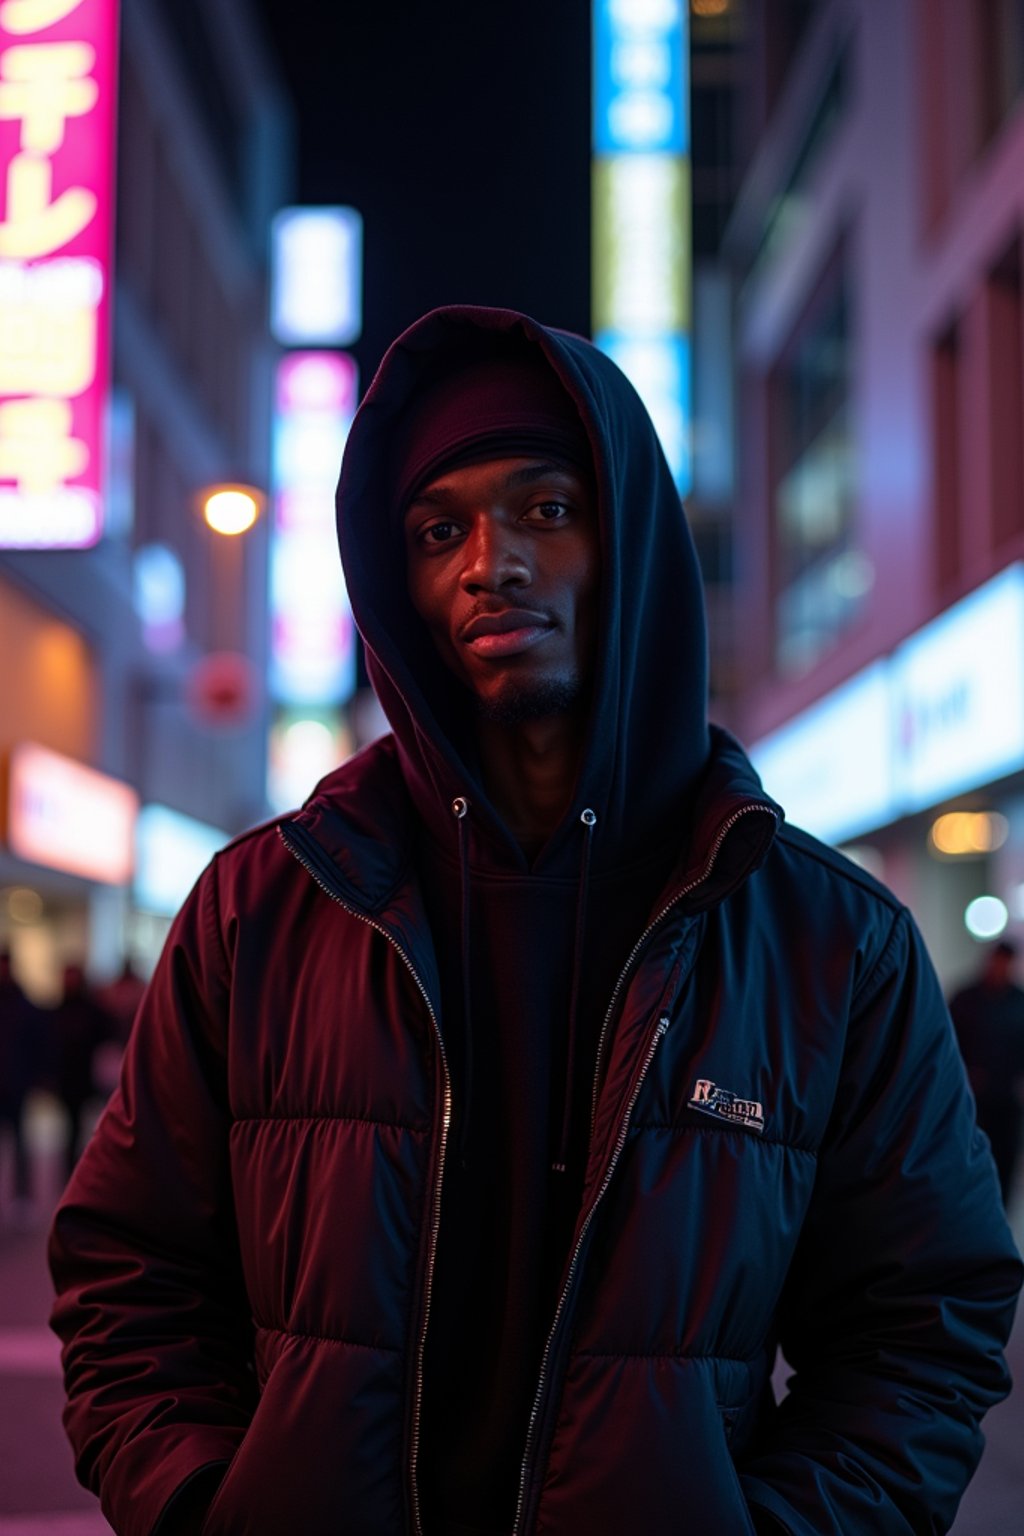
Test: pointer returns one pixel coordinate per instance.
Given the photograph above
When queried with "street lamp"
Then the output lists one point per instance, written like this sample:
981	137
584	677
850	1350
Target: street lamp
231	509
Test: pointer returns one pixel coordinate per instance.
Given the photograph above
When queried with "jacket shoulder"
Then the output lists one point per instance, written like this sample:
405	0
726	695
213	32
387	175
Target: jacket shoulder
828	864
370	776
356	819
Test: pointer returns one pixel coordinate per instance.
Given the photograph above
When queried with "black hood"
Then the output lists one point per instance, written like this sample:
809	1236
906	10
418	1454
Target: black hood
647	739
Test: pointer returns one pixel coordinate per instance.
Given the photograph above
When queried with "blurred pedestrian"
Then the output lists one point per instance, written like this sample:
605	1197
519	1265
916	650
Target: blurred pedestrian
121	998
989	1020
79	1027
19	1042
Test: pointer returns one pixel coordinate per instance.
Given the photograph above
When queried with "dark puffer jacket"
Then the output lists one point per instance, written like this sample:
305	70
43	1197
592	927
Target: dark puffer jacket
782	1152
244	1254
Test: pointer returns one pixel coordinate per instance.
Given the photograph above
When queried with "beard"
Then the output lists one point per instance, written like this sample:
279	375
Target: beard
520	702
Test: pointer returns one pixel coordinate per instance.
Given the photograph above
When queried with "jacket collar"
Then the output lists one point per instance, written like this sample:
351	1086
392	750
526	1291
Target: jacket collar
361	817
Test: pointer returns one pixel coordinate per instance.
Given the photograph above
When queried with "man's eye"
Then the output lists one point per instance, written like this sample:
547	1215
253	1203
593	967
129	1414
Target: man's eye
439	533
550	511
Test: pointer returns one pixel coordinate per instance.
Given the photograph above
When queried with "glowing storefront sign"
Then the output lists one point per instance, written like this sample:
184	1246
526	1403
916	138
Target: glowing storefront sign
830	767
58	63
943	715
171	852
958	696
641	199
70	817
316	277
312	634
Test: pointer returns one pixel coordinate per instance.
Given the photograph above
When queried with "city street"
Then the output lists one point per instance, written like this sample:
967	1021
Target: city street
38	1492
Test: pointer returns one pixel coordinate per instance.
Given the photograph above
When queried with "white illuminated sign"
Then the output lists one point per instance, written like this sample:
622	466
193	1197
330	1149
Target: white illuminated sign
958	695
171	852
70	817
312	634
316	276
943	715
830	767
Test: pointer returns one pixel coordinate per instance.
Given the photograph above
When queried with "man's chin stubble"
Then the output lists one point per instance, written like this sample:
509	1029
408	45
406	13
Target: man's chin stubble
519	703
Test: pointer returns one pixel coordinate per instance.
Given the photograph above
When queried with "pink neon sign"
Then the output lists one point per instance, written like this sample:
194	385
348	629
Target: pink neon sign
68	816
58	72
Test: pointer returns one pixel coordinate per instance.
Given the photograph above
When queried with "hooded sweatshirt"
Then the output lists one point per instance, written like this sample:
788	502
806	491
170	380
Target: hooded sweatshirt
529	948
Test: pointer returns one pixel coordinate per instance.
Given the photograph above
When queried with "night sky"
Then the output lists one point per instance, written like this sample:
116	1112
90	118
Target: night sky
461	131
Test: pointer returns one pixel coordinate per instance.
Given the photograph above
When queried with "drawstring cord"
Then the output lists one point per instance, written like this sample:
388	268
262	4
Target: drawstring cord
589	820
460	806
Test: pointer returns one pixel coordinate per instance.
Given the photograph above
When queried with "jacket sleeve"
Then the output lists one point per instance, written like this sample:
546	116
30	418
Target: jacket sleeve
151	1308
902	1292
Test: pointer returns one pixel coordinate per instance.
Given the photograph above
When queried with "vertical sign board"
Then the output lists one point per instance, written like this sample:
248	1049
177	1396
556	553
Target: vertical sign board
316	272
312	634
58	64
641	202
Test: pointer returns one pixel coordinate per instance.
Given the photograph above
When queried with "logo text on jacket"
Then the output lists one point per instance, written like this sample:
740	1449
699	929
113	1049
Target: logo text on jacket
723	1105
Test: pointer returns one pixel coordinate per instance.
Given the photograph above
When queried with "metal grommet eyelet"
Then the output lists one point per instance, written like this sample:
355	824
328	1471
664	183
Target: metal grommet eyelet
588	818
460	806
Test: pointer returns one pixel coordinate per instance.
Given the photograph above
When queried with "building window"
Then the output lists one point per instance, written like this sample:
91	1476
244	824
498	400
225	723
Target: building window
822	579
946	372
1005	332
786	23
789	206
1001	56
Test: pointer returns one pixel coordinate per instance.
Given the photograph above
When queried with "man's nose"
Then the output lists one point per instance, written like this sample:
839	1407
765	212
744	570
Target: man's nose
493	558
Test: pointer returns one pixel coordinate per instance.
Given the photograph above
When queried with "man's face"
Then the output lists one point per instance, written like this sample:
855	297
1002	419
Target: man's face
502	560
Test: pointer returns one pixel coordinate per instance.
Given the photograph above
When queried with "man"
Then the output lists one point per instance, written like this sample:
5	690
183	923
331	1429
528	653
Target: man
988	1017
489	1122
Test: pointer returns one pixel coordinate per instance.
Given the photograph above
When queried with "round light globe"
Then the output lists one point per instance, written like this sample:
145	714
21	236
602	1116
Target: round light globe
231	509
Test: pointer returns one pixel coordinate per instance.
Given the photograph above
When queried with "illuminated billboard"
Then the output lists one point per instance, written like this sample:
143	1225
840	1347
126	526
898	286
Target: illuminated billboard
312	644
831	767
641	241
68	816
171	852
316	277
958	695
58	68
942	715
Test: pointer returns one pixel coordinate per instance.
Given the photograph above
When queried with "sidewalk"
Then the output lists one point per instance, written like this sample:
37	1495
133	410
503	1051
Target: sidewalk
40	1497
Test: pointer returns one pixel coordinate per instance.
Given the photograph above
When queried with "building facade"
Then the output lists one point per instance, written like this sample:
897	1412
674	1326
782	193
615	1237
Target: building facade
114	654
875	253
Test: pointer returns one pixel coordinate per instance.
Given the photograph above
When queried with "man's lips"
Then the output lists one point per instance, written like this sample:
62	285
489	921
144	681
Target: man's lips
505	633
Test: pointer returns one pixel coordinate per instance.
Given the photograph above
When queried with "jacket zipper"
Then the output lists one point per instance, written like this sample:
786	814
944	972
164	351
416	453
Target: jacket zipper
435	1222
620	1142
716	847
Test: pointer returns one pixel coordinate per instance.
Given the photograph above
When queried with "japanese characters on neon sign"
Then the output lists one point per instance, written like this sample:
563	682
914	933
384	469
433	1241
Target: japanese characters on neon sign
58	63
641	201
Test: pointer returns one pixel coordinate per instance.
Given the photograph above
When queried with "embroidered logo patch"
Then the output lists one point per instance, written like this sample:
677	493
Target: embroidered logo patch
723	1105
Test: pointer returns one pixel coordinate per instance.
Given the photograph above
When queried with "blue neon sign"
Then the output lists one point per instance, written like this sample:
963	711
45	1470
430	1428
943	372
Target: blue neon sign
640	77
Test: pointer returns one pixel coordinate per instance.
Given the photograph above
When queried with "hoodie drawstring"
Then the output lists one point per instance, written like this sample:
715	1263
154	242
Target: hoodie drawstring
589	820
460	807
